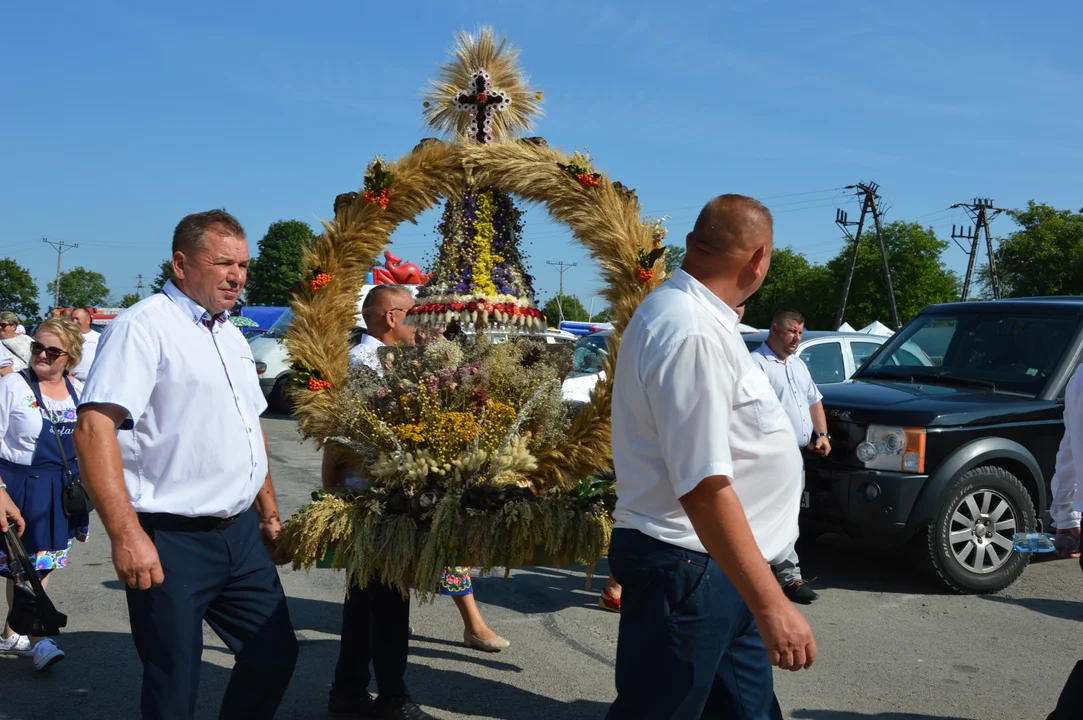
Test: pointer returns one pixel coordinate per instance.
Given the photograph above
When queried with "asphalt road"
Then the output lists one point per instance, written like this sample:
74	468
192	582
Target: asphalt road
891	645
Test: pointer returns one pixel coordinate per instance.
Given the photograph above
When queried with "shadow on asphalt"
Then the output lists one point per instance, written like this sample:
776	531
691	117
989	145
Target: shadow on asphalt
846	715
836	561
101	678
541	590
1062	609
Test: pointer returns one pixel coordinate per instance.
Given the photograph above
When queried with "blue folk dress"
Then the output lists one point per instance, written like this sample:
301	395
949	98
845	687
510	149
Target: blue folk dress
36	489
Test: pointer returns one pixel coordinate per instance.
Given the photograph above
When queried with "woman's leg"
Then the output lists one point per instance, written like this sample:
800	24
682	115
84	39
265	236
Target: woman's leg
10	591
45	586
473	622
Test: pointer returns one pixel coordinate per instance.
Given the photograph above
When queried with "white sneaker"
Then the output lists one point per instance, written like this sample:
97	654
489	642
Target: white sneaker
47	654
15	645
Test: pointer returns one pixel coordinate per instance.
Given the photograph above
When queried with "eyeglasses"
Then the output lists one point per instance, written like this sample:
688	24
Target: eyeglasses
51	353
5	325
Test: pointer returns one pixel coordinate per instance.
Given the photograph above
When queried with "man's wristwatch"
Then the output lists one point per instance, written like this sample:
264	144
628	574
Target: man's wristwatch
818	435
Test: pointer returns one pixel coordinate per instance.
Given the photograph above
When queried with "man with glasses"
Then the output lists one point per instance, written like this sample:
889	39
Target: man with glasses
375	618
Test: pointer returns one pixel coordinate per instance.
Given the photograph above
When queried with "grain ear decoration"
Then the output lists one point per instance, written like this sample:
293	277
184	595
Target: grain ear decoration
603	219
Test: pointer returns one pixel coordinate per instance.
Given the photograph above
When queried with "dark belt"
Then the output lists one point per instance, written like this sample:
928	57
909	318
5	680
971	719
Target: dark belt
181	523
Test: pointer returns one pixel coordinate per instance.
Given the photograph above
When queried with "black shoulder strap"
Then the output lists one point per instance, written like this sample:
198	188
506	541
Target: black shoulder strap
32	381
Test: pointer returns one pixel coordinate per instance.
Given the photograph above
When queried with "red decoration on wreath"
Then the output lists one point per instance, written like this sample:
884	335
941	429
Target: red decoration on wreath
316	385
588	181
645	276
320	282
380	198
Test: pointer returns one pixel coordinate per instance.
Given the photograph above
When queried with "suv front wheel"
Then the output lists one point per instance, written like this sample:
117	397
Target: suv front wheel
968	547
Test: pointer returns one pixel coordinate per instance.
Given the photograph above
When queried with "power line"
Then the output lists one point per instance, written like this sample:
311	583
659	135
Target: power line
869	197
61	247
561	266
979	211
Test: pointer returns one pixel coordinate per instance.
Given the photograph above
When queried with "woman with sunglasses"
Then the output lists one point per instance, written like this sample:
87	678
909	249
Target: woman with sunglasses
18	346
32	463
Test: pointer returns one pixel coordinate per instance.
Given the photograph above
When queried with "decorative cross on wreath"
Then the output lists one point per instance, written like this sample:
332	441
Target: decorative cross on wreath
482	102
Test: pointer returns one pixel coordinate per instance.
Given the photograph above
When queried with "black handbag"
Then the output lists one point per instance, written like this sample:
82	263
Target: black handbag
32	612
74	499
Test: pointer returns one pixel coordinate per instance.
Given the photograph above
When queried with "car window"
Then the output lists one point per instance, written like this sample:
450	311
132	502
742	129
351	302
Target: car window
824	362
278	330
589	353
862	351
1010	352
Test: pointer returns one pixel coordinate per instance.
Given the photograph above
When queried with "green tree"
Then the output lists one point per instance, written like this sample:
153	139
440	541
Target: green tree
165	274
1043	257
128	300
918	274
18	291
573	310
792	283
673	258
279	264
81	288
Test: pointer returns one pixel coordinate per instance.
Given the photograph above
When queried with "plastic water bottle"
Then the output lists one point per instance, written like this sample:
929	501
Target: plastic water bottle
1031	542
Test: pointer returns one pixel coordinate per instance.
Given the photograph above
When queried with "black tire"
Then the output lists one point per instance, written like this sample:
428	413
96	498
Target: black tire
277	402
943	545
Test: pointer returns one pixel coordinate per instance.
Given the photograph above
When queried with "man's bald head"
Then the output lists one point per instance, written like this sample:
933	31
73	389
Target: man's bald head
383	298
82	318
730	224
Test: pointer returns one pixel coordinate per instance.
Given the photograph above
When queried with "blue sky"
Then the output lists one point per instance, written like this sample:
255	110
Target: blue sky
120	118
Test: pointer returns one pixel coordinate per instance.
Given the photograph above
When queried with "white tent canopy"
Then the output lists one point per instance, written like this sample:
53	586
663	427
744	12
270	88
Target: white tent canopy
877	328
846	327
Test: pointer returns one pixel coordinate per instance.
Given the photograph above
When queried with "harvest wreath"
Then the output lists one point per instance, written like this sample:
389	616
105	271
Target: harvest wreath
472	457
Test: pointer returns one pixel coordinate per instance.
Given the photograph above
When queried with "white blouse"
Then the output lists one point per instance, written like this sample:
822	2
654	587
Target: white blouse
20	417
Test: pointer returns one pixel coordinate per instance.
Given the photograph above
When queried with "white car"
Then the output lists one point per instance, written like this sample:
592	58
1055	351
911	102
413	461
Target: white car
831	357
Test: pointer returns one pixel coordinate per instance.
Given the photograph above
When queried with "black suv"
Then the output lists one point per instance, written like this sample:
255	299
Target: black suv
947	436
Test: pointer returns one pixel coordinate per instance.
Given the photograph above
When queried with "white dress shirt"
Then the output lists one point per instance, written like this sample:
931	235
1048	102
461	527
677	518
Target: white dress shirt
792	383
364	353
192	393
689	403
1067	506
5	358
90	347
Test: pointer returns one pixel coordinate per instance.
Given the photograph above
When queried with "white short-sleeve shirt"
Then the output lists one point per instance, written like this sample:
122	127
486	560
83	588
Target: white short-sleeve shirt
21	418
793	384
193	397
690	403
5	357
90	349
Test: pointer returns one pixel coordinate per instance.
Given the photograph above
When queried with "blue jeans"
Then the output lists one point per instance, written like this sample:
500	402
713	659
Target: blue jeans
688	647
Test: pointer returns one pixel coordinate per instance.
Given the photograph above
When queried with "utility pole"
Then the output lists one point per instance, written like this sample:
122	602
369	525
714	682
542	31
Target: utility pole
60	248
868	194
981	212
561	266
139	286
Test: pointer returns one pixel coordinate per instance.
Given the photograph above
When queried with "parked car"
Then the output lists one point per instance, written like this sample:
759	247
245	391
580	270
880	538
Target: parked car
956	456
831	357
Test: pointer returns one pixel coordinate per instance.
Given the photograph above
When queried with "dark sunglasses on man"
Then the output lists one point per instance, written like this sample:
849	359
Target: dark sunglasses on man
52	354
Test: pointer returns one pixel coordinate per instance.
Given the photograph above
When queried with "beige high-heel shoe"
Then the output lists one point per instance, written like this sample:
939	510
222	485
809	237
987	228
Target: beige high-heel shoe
495	645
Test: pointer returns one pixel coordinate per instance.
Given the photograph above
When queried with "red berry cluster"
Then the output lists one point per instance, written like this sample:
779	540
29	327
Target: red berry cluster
646	275
380	198
316	385
320	282
588	180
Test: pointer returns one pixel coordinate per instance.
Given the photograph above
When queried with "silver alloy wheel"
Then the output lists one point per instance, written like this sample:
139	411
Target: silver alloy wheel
981	531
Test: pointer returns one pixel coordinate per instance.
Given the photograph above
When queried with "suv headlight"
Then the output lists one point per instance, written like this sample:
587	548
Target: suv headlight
893	448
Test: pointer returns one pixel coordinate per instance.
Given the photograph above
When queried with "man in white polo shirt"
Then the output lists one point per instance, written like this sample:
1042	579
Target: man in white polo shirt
803	403
171	450
82	318
705	459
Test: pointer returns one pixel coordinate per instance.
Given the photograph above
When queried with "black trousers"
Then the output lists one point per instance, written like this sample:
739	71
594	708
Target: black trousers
223	576
1070	704
375	629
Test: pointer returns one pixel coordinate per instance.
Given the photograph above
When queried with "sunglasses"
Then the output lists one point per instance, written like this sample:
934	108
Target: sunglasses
6	325
51	353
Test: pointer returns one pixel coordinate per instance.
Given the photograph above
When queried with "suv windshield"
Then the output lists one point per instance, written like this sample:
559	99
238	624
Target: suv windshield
278	330
589	351
1016	353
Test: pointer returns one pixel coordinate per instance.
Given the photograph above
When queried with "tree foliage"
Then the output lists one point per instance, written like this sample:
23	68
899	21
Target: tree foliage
573	310
279	264
81	288
1043	257
165	274
673	258
18	291
918	273
128	300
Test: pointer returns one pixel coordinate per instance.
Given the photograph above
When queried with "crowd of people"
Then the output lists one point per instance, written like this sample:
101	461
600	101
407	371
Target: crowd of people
157	422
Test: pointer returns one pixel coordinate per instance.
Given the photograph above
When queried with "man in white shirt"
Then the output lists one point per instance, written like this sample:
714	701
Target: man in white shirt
375	618
170	449
705	460
1066	509
82	318
803	403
